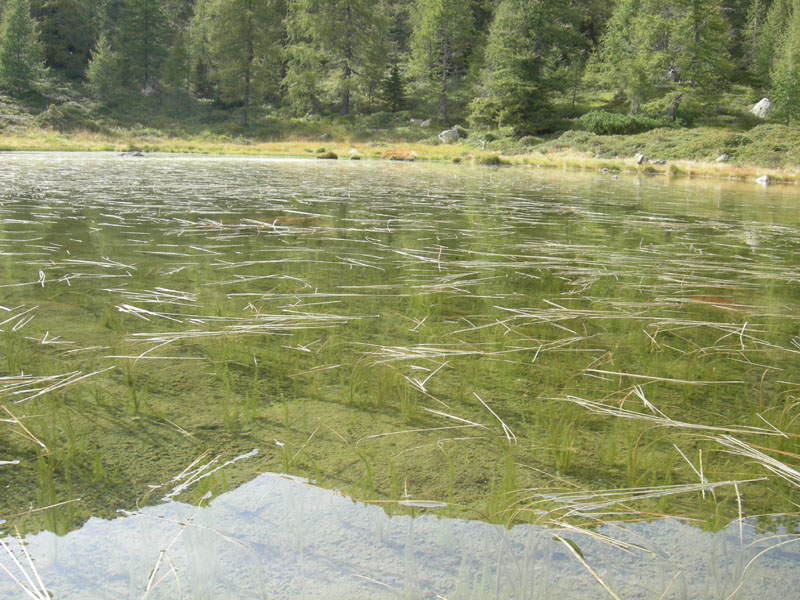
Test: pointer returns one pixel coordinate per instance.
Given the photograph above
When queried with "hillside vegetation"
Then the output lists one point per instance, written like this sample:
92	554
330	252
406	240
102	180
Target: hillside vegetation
672	79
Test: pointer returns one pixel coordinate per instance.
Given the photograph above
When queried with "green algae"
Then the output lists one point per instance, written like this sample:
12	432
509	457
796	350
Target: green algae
402	334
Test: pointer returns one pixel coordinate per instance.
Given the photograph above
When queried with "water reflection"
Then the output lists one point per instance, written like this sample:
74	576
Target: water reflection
278	537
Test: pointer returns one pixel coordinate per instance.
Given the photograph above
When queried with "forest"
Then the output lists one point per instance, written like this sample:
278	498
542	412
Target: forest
520	67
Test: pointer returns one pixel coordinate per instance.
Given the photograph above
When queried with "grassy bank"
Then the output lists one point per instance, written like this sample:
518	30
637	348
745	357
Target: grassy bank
766	150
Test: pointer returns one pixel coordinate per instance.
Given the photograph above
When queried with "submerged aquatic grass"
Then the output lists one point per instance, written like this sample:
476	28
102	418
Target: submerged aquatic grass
492	344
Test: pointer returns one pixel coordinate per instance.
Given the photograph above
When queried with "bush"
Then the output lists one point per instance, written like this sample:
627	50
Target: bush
601	122
66	117
530	140
378	120
488	159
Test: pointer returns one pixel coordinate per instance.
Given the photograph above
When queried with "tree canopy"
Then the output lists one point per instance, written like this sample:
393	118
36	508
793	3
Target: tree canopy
516	64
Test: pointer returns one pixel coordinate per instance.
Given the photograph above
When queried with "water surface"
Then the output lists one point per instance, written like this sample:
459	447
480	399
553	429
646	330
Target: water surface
490	345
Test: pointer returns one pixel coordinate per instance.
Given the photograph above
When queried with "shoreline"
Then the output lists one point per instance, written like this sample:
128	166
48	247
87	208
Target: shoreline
565	159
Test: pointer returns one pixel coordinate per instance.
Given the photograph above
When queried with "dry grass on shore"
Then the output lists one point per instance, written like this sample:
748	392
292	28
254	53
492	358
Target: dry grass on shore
85	141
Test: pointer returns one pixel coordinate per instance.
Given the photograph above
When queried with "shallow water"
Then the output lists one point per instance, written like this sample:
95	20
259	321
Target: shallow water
279	538
511	345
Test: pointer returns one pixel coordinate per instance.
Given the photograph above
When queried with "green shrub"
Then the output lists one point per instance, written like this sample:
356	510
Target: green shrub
378	120
605	123
530	140
66	117
488	159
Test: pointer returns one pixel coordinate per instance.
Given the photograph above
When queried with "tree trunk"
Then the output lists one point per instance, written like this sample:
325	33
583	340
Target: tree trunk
345	109
673	110
348	57
249	57
443	91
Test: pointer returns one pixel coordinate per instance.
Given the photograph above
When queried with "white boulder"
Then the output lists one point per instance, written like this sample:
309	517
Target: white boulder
448	136
762	109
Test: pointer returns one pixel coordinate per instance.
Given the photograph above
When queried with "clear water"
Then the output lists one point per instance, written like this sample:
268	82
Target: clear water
491	346
279	538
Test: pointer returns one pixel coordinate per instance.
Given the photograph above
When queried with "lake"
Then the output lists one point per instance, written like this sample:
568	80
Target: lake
514	383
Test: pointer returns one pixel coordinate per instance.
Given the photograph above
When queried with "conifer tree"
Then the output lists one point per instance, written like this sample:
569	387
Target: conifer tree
142	41
101	73
528	41
66	32
769	37
243	49
197	46
785	77
751	32
441	44
665	49
177	70
21	59
302	83
348	37
393	92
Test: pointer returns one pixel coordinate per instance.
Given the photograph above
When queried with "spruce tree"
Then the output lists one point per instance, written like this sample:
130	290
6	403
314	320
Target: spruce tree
21	59
243	49
349	38
393	89
101	73
177	70
302	84
142	42
769	38
198	50
785	76
67	34
667	50
751	32
529	42
441	45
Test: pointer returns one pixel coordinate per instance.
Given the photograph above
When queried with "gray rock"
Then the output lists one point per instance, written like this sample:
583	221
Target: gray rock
724	157
417	121
762	109
425	123
763	180
659	162
448	136
151	88
325	136
641	159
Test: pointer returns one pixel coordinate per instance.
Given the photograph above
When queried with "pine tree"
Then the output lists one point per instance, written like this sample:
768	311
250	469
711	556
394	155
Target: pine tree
769	37
302	83
529	42
21	60
67	34
667	50
349	37
101	73
751	32
243	49
142	42
177	70
441	44
393	89
785	76
197	46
